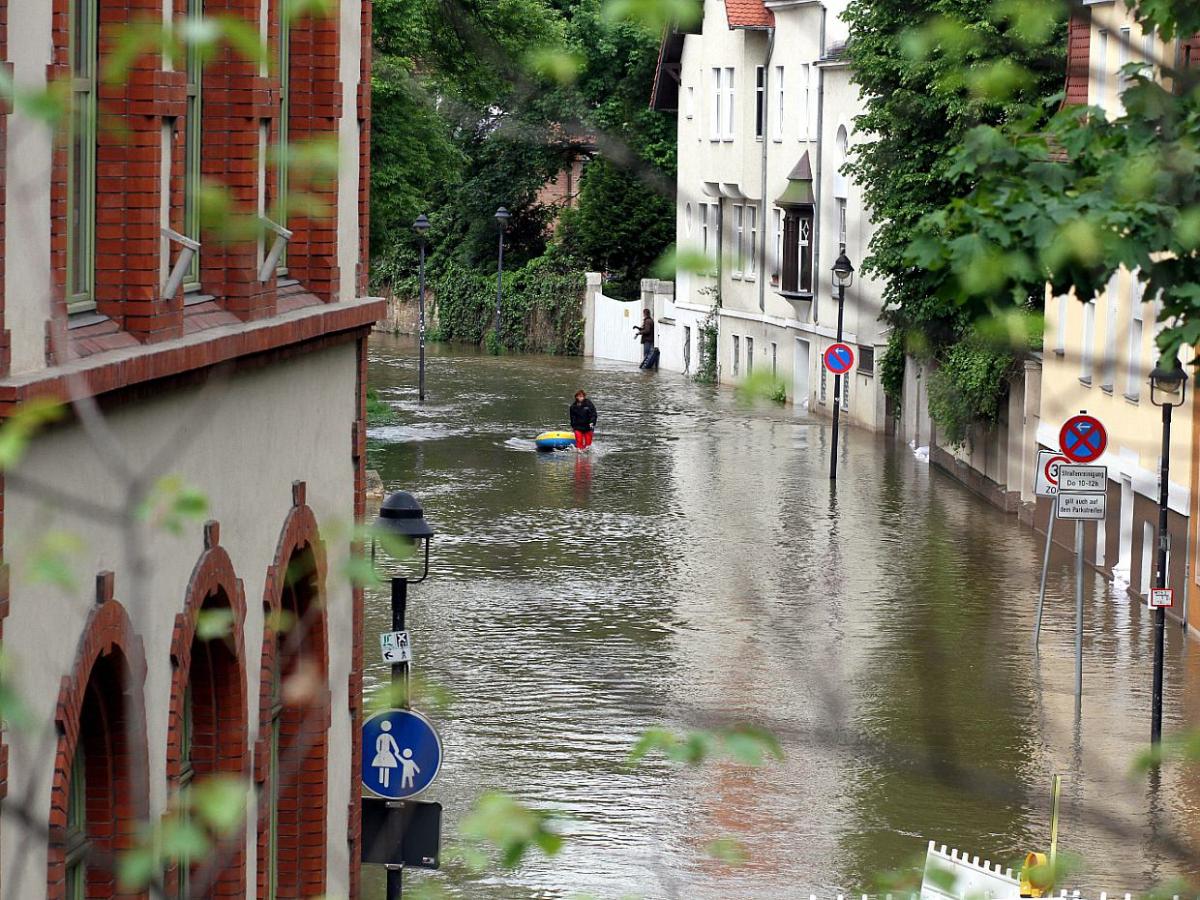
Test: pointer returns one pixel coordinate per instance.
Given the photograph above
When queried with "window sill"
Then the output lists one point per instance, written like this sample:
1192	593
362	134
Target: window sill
794	295
1107	388
1133	398
82	318
1060	351
1086	381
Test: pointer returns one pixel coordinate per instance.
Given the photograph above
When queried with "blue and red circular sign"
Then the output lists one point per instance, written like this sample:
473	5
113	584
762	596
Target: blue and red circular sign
839	358
1082	439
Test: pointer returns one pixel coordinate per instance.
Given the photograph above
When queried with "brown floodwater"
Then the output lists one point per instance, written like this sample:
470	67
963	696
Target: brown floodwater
698	570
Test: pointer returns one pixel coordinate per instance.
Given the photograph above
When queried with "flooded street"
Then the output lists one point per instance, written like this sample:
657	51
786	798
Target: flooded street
696	570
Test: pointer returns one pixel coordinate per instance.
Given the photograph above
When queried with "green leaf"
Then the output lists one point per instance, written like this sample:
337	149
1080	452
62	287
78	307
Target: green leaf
19	428
214	624
220	802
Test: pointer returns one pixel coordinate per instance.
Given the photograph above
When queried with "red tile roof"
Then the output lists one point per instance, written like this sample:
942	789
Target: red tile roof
748	14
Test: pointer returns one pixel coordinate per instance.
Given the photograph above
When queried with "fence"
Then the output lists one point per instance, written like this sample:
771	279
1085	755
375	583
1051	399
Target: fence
613	322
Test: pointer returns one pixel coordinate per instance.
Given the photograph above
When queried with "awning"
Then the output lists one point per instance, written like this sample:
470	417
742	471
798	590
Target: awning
799	190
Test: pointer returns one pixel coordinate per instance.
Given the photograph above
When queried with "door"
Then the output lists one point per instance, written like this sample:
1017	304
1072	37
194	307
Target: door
800	364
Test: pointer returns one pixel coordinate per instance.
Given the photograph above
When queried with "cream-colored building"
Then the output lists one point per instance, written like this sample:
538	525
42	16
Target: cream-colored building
1098	353
766	110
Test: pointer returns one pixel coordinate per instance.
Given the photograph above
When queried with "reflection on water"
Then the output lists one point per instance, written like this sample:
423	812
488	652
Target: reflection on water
696	569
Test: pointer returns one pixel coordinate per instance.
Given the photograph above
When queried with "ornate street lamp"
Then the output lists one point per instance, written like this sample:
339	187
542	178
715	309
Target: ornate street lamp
420	226
843	277
401	517
1168	389
502	217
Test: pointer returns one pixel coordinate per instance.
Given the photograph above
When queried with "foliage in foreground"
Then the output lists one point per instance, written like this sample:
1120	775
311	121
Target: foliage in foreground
930	73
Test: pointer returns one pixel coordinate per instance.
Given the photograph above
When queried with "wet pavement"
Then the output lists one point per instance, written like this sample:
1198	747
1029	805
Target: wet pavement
696	570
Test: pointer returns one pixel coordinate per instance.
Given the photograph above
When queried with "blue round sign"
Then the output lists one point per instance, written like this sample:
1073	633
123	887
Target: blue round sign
401	754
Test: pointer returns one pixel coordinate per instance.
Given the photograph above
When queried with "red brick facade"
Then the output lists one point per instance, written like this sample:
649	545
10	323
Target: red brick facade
1079	36
294	658
216	672
101	704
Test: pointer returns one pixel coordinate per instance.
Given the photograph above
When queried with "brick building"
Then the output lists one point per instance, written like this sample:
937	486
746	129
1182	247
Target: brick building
232	361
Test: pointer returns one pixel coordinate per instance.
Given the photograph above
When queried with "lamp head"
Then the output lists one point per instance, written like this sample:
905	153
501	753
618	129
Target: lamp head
1168	383
421	225
843	271
502	216
401	515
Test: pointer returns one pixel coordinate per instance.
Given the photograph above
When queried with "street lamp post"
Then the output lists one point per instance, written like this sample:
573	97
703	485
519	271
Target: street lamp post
420	227
502	217
843	276
1168	388
401	516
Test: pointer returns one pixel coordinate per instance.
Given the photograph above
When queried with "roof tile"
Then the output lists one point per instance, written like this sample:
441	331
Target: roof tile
748	14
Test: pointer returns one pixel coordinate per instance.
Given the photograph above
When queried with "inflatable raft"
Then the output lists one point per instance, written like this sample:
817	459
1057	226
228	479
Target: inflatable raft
549	441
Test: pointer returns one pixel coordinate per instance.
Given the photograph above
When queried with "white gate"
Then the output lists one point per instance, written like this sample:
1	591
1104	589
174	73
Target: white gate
615	321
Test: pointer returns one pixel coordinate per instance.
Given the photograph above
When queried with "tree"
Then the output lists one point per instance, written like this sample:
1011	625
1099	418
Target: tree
929	73
1065	203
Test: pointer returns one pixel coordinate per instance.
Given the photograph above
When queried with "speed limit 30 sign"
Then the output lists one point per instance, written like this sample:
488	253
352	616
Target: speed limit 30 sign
1046	480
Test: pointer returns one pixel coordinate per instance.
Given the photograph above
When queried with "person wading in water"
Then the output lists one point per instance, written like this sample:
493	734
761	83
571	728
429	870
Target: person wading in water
583	420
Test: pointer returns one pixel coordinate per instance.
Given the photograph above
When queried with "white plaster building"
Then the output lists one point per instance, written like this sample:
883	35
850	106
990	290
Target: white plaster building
766	109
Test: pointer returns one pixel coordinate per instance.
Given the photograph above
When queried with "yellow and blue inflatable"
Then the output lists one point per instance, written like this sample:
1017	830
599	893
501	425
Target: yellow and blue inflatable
549	441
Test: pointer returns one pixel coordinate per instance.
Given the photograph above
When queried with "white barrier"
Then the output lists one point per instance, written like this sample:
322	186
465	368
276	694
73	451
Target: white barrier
614	337
952	876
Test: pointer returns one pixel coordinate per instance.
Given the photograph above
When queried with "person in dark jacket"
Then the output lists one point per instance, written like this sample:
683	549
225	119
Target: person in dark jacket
646	330
583	420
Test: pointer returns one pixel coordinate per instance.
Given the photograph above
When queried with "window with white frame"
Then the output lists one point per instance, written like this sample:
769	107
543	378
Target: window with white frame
1124	42
729	119
805	104
797	274
704	236
687	220
842	144
1089	338
689	102
841	221
760	101
1133	375
776	261
1102	68
774	358
718	97
1108	364
752	232
739	236
1060	336
777	127
737	349
1148	53
749	355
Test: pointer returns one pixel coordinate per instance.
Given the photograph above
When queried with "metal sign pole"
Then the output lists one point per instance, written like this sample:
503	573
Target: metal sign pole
1078	614
1055	798
1037	625
395	875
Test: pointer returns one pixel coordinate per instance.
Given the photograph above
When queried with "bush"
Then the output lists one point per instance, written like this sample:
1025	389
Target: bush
969	386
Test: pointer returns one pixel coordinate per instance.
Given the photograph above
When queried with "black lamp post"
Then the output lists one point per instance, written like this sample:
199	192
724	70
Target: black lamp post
402	516
502	217
1168	388
843	276
420	227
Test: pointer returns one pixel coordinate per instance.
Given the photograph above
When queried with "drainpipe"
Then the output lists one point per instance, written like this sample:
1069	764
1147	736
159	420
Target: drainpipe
817	279
766	139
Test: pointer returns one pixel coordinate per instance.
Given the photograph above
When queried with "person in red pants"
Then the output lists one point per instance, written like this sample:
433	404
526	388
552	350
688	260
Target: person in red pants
583	420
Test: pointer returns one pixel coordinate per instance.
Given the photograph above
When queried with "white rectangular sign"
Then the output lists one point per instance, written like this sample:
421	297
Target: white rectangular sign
1082	479
1081	506
1045	483
1162	598
396	647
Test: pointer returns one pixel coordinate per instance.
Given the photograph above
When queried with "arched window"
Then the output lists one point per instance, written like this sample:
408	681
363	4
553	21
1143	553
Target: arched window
297	699
98	796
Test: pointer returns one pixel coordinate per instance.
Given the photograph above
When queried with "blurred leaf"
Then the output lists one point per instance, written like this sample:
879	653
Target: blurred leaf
19	428
171	505
556	65
512	828
654	15
685	260
214	624
728	850
220	802
14	712
280	621
51	559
